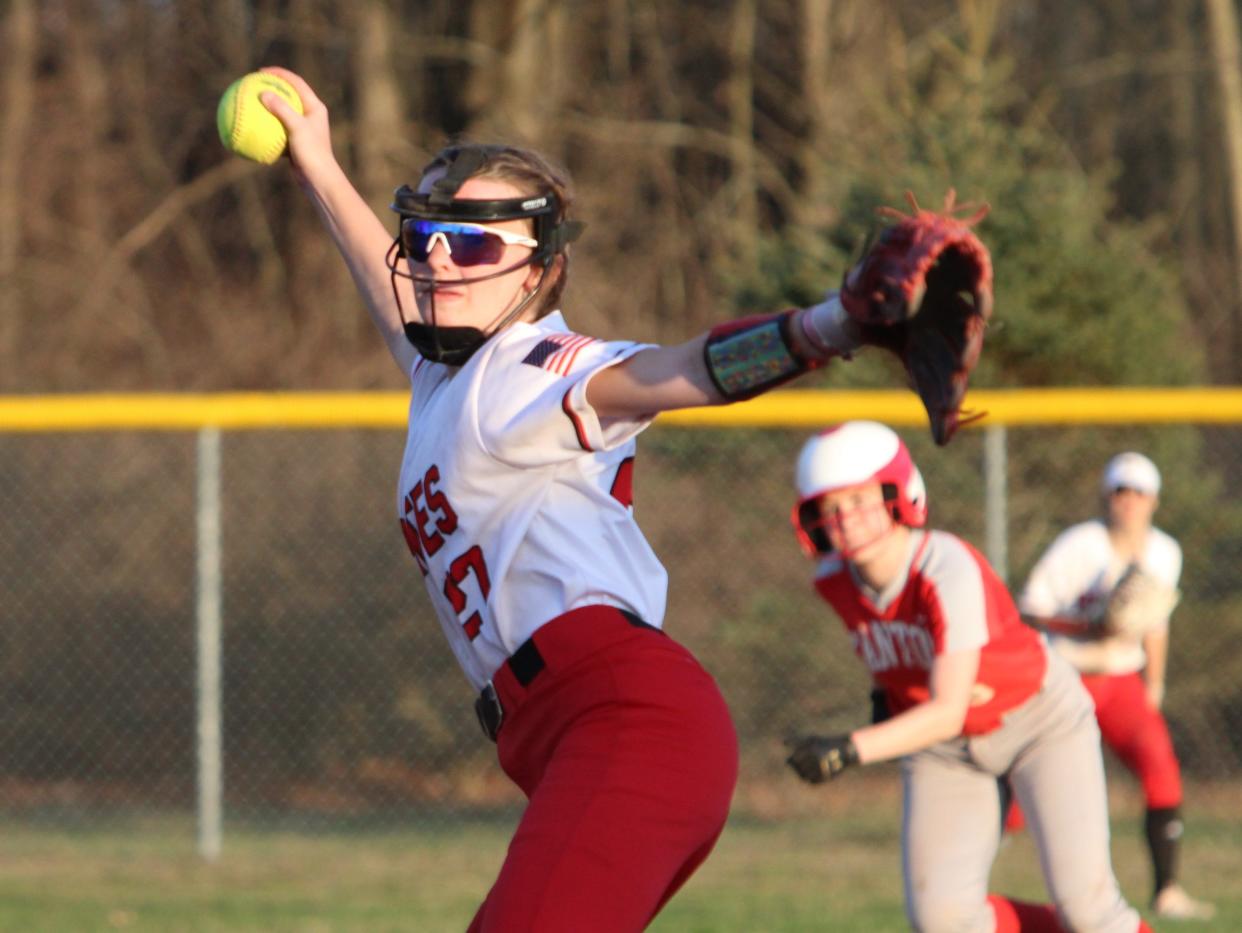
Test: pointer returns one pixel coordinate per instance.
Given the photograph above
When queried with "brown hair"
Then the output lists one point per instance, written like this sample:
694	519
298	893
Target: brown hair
531	173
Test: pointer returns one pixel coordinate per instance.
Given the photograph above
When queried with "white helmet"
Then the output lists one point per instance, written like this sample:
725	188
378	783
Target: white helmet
848	455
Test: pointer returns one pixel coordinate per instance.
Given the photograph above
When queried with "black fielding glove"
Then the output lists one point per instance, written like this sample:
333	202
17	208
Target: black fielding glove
819	758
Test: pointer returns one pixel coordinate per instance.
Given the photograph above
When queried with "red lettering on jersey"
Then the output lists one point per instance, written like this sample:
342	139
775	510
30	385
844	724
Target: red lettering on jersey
429	519
411	539
427	505
438	502
431	540
470	562
623	483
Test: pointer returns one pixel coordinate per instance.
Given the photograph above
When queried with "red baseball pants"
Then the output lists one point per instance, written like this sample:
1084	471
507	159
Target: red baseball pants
1138	734
626	751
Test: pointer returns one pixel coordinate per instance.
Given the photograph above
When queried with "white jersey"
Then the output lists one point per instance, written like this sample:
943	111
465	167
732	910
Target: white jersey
515	498
1073	579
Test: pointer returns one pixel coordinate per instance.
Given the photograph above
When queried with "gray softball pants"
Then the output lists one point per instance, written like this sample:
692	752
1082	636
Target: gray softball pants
1050	748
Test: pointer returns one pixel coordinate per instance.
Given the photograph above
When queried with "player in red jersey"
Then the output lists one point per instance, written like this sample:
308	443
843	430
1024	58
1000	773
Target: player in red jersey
972	692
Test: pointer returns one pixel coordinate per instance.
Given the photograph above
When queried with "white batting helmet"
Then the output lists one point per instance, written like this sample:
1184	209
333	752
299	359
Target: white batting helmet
851	454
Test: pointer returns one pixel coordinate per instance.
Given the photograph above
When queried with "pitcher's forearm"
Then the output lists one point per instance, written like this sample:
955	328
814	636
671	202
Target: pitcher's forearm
363	242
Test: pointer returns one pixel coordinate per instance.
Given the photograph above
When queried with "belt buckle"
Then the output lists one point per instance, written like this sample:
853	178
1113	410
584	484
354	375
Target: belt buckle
491	714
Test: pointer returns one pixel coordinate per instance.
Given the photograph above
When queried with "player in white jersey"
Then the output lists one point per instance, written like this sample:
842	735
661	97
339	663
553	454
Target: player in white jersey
974	696
1067	596
515	501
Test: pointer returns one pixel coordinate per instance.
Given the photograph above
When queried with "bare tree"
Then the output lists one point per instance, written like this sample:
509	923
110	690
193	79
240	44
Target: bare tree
519	91
18	106
816	34
1227	63
744	207
90	115
379	109
688	126
147	148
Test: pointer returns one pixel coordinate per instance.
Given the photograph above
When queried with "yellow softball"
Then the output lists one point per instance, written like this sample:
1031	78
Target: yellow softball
246	126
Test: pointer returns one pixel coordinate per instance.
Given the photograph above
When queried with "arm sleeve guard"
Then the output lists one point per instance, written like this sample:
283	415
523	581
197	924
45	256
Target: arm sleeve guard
753	354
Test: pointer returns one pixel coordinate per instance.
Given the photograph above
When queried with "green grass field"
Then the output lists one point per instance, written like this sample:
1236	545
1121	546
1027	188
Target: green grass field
831	866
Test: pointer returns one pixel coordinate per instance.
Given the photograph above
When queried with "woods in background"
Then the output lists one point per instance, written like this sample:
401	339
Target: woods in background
729	155
726	152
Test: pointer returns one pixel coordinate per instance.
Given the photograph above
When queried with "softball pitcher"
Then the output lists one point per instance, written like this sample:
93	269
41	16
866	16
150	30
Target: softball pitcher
1103	592
973	695
514	498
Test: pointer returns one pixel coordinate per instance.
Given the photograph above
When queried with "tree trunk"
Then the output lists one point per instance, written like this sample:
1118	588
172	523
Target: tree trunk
519	92
91	103
1227	64
122	310
816	99
741	96
619	41
1212	310
15	120
152	166
378	114
1185	189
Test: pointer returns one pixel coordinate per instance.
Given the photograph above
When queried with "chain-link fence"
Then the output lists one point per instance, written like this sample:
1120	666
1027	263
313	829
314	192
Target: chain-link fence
338	695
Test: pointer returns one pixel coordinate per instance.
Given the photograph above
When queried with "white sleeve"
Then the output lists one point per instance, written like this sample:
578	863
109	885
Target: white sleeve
1044	595
531	405
1164	559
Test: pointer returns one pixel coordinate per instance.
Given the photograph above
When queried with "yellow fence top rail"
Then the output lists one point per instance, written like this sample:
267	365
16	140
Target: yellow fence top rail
788	408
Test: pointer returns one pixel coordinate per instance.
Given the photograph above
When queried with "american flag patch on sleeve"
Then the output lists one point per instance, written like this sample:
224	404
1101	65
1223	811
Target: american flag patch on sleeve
557	352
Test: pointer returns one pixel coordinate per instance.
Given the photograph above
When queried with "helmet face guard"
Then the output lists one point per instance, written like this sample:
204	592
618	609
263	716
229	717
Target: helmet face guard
455	345
853	454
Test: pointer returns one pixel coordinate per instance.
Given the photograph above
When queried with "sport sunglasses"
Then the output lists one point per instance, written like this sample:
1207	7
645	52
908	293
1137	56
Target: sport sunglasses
467	244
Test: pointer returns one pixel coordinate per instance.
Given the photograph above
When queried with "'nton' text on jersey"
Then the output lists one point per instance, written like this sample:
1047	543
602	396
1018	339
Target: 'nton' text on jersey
887	645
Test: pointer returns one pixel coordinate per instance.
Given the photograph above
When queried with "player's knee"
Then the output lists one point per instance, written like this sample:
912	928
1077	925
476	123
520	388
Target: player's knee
1162	782
945	913
1162	795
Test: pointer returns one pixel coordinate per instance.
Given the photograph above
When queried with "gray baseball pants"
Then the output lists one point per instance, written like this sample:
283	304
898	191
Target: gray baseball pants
1050	748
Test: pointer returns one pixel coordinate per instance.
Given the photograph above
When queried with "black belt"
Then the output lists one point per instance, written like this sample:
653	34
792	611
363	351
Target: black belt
525	664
